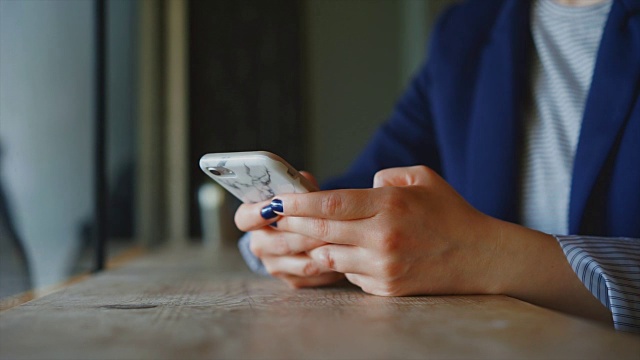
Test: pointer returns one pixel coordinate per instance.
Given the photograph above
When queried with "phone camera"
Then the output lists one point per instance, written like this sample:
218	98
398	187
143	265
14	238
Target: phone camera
221	171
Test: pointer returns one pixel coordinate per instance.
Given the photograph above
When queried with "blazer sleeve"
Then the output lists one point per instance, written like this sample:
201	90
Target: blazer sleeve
610	269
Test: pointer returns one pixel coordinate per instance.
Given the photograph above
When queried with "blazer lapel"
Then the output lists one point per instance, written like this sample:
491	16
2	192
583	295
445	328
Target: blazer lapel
494	130
614	87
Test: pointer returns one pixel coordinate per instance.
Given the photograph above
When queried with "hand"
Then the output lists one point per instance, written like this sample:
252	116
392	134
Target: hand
284	254
410	234
414	234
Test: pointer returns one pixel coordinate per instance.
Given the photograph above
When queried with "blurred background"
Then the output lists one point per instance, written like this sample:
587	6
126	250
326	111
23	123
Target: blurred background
107	105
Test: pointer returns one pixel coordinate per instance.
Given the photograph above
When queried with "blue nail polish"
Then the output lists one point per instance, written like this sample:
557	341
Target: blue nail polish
267	213
276	205
274	224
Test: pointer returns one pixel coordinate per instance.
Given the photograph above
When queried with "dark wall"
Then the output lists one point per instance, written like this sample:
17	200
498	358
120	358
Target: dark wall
244	82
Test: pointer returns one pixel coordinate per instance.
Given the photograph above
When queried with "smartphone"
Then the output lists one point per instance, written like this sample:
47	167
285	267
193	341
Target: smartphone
254	176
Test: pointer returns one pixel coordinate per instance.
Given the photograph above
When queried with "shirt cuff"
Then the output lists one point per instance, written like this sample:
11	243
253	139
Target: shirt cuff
253	262
610	269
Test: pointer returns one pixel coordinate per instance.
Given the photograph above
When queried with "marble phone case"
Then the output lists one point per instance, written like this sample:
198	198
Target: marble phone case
257	175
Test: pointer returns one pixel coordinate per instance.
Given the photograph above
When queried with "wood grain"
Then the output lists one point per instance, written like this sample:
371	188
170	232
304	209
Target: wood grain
192	304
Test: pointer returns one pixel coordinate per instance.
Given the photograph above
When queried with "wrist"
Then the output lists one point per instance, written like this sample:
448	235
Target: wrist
521	260
531	266
500	251
519	254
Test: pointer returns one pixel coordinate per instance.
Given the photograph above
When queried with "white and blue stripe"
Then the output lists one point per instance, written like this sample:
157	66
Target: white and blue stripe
566	40
610	269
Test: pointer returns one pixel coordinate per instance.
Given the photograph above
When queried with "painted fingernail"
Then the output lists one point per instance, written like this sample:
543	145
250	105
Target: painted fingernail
274	224
267	212
276	205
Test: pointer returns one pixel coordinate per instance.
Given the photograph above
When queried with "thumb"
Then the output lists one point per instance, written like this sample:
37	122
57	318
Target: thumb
403	176
310	177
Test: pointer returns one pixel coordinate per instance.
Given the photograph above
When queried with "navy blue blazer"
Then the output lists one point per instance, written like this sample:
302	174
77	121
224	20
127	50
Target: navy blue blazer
462	115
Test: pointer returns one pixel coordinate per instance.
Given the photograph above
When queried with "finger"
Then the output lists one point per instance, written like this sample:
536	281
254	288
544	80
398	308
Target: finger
268	242
254	216
298	265
348	204
311	281
403	176
364	282
340	258
246	219
310	177
328	231
355	279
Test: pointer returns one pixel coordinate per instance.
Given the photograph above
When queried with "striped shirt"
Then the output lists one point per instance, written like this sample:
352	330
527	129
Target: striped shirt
566	40
610	269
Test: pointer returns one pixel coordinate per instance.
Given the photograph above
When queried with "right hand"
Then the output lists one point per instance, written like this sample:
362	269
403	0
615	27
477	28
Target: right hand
284	254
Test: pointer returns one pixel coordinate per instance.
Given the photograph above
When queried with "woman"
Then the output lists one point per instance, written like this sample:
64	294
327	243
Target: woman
524	122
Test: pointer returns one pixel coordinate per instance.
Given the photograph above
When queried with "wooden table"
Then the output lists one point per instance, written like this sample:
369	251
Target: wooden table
191	303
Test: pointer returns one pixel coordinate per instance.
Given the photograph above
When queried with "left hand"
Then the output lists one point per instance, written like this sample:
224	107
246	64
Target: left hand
284	254
410	234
